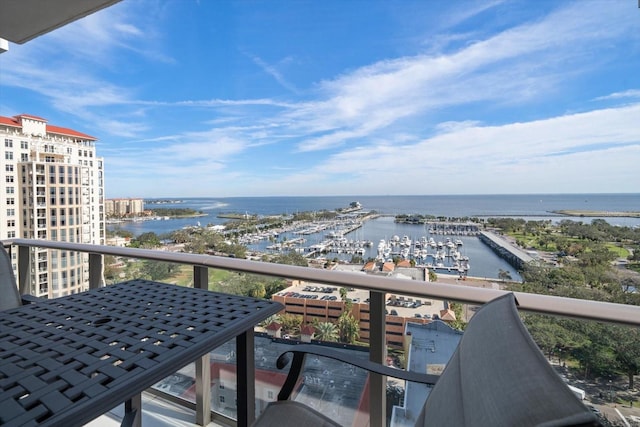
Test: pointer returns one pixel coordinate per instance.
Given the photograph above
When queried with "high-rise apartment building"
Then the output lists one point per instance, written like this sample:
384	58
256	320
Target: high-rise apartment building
52	188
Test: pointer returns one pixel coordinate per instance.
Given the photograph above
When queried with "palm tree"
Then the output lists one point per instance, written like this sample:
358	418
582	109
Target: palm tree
348	328
326	331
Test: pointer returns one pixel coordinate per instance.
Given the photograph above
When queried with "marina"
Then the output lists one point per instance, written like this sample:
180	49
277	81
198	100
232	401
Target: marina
364	236
340	239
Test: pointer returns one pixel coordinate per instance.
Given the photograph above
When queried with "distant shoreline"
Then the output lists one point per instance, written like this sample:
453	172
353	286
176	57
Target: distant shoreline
582	213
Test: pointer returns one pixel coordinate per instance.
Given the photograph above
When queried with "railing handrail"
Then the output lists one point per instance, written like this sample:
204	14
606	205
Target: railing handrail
546	304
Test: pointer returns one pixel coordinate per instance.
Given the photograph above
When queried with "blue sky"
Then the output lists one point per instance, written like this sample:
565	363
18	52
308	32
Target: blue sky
333	97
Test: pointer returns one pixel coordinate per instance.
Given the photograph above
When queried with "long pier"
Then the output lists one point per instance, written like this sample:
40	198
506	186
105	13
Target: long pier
512	254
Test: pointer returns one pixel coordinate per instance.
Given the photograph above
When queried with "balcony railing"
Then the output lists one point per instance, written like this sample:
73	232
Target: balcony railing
377	287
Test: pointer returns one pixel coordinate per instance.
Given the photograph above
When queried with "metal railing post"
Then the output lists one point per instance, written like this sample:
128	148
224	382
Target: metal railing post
246	379
24	270
203	364
95	270
378	354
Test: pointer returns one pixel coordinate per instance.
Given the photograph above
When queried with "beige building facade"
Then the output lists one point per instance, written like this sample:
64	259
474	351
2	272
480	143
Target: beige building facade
124	207
52	188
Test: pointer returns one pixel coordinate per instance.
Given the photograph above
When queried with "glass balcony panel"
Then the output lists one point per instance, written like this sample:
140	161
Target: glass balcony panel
336	389
180	385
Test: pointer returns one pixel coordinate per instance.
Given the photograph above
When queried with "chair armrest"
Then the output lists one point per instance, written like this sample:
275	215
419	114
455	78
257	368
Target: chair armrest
30	299
300	351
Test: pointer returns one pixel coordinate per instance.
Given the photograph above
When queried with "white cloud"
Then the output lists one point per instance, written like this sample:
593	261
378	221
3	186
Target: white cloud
631	93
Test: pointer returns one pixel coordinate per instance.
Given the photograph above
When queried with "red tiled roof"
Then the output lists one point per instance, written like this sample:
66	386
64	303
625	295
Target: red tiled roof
68	132
388	266
447	315
370	266
404	263
9	121
13	121
308	330
274	326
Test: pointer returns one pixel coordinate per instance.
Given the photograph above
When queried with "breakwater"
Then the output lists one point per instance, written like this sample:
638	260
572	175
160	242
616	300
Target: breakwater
510	253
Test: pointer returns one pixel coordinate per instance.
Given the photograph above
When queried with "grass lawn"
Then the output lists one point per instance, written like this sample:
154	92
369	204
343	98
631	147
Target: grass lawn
619	251
533	242
184	277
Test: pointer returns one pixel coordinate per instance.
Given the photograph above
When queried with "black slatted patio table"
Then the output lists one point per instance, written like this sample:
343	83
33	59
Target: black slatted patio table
66	361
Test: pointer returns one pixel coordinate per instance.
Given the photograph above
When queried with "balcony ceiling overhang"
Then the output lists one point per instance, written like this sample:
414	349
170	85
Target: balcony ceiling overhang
23	20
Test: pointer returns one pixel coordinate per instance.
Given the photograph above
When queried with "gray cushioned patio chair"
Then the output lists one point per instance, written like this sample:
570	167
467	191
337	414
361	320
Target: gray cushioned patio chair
496	377
9	295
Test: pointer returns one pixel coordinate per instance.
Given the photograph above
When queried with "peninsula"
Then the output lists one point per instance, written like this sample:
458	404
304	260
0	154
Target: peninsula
598	213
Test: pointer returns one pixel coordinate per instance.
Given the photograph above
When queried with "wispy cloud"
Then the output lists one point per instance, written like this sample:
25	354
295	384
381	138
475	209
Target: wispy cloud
273	72
631	93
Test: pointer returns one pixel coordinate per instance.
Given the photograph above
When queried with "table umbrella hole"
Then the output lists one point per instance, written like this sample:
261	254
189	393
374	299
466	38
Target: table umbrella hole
102	321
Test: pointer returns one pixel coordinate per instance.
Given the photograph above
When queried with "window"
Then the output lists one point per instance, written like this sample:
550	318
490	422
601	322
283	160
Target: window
221	399
24	145
10	190
8	168
11	201
9	178
24	157
11	212
11	223
8	155
11	234
8	143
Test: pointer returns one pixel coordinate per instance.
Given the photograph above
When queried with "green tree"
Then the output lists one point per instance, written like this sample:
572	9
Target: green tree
291	323
626	342
148	240
290	258
326	331
343	294
158	270
433	277
258	291
459	323
111	273
348	328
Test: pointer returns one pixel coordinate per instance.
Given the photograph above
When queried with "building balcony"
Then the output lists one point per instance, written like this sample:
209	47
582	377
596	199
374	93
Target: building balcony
174	400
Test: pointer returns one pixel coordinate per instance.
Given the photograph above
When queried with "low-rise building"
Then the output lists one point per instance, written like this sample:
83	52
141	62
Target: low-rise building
316	302
428	349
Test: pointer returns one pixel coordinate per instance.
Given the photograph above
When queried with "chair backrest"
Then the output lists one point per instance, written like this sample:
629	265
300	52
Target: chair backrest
9	295
498	377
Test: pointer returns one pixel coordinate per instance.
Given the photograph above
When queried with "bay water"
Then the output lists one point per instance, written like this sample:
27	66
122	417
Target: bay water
483	262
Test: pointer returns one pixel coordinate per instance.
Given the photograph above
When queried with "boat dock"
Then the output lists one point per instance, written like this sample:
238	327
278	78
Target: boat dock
453	228
512	254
